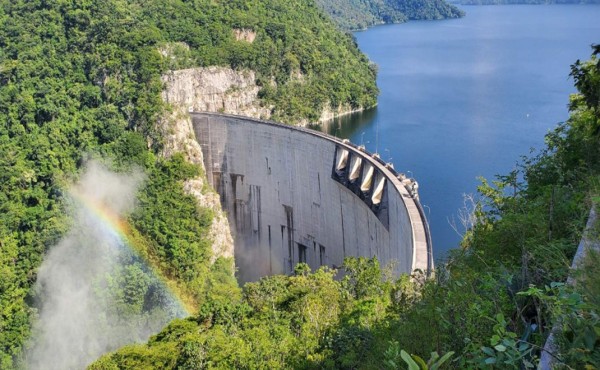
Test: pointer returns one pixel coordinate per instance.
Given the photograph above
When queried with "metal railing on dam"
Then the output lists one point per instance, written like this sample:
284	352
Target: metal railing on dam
298	195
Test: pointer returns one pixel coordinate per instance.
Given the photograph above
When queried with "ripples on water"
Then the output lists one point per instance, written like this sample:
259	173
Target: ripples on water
467	97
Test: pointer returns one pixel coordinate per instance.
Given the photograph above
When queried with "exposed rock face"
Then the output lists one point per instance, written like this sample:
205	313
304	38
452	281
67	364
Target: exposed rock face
328	113
244	34
215	89
179	138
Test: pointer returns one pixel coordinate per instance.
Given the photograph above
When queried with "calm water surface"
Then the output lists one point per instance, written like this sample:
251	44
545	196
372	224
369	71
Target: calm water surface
466	98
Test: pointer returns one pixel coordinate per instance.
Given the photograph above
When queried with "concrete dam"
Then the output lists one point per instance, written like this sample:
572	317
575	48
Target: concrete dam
297	195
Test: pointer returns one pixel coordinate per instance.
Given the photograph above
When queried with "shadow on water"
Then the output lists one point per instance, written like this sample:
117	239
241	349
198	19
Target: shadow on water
347	126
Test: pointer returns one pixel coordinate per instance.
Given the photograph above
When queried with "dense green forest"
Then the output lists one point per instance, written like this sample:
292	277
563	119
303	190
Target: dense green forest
360	14
491	304
80	80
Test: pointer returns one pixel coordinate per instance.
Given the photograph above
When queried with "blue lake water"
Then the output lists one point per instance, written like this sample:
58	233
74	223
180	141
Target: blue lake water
467	97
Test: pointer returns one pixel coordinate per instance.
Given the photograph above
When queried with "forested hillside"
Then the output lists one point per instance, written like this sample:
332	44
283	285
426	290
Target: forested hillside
491	304
360	14
81	80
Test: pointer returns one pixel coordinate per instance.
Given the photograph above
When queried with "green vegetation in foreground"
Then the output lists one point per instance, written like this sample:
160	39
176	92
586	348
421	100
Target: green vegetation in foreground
491	304
360	14
82	80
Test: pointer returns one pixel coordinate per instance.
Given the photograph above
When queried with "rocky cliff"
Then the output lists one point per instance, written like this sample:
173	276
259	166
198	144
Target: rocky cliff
213	89
179	137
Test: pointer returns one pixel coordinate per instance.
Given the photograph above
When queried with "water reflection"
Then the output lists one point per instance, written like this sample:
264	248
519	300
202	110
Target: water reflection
460	101
347	126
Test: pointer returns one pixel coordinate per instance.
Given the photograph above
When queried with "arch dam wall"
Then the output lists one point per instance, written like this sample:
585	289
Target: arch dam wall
296	195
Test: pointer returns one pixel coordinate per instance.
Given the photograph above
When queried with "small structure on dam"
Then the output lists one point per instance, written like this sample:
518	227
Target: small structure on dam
297	195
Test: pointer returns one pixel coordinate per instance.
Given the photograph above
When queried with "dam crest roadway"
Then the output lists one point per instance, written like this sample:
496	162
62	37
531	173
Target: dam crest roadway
296	195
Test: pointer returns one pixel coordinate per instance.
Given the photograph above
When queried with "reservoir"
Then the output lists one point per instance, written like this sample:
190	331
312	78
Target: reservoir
468	97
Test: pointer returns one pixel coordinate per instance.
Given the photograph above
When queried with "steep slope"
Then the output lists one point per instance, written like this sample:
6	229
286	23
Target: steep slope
82	80
492	304
360	14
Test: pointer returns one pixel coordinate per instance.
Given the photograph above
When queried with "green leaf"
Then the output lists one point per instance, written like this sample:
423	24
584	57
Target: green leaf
441	361
419	361
495	340
500	318
488	351
508	342
490	360
412	365
523	346
500	348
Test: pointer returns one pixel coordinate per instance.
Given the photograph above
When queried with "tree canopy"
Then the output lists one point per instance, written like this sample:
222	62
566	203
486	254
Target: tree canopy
82	79
491	304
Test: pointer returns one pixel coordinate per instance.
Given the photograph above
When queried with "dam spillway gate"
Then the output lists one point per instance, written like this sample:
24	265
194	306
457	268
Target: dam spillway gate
297	195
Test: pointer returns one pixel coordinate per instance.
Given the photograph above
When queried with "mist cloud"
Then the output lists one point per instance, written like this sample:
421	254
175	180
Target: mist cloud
80	315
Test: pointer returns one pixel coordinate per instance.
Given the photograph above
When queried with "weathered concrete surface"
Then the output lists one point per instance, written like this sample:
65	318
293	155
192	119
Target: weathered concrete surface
588	242
291	197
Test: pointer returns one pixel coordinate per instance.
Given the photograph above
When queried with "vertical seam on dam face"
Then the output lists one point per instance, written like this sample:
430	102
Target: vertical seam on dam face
317	189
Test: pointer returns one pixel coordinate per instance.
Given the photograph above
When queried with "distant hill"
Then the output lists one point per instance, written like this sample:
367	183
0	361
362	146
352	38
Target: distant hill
360	14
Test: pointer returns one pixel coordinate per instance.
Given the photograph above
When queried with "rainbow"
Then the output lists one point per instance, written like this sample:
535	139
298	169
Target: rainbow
121	229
